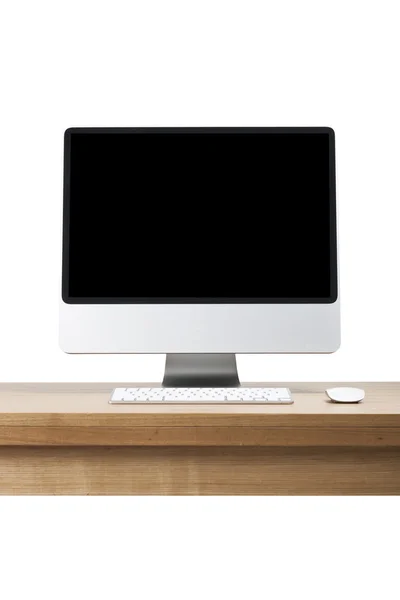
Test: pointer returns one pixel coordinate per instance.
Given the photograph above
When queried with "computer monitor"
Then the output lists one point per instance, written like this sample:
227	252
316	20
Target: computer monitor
199	243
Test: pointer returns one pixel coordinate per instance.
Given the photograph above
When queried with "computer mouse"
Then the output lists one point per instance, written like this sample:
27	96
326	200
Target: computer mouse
345	394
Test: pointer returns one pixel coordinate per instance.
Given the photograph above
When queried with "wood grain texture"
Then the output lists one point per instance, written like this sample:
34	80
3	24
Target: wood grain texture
67	439
79	414
199	471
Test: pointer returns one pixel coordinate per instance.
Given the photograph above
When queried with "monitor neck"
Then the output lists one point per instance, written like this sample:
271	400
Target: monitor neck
201	370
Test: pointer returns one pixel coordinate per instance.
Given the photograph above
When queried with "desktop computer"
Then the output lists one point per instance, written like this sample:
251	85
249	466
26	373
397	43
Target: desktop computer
199	243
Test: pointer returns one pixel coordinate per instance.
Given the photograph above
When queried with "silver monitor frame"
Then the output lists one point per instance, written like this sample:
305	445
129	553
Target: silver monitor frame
199	328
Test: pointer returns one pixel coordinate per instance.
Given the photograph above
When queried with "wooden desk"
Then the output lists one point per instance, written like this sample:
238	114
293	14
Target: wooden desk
66	439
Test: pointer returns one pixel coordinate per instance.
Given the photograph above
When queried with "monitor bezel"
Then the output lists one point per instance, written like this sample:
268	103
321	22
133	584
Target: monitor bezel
212	300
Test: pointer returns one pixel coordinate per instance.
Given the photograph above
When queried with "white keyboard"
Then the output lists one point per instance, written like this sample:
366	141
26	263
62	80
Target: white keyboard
163	395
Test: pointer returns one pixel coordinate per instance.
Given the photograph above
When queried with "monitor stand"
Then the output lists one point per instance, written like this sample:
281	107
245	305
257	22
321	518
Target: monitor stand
201	370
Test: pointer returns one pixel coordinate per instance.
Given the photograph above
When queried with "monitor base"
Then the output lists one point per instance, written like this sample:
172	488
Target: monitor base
201	370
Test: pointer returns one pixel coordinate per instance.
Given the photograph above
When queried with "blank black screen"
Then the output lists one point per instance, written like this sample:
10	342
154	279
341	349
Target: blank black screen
198	216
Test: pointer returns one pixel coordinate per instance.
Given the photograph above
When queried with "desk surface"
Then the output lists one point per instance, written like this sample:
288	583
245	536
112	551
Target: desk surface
79	414
60	438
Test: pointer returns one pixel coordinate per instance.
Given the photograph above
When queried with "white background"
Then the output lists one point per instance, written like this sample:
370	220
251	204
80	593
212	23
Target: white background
199	549
80	63
127	63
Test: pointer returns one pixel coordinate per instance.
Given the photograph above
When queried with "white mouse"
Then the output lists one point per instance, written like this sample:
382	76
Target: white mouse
346	394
